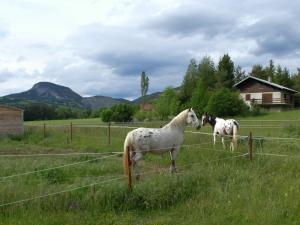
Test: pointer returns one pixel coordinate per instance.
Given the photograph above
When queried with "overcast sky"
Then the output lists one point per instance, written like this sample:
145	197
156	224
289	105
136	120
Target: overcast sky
100	47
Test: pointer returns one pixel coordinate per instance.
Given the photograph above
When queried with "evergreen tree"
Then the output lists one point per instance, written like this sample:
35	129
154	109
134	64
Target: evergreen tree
189	82
225	75
270	71
239	74
206	70
282	77
296	80
258	71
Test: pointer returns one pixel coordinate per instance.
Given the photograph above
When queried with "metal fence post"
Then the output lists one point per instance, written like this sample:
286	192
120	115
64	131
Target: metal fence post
250	142
44	130
71	132
109	133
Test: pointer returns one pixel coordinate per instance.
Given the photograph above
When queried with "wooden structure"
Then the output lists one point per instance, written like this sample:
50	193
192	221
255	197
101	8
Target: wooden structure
11	120
146	107
271	96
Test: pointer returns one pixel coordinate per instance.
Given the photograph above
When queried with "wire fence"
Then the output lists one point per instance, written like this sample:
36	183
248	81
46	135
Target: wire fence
113	135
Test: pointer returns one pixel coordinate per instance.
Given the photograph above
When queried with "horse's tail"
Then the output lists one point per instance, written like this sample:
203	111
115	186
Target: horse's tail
234	133
127	144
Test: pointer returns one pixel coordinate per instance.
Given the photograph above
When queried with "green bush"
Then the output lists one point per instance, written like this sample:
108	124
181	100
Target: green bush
226	103
106	115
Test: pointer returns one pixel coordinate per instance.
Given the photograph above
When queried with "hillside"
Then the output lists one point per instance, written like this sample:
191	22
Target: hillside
97	102
58	95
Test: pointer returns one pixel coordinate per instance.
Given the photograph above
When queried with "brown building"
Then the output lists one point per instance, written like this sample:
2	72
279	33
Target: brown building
271	96
11	120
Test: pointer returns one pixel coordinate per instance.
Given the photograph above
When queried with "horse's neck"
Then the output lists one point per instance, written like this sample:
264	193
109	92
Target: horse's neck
178	122
213	121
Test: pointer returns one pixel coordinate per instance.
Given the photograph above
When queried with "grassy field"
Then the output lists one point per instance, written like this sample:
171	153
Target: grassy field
212	186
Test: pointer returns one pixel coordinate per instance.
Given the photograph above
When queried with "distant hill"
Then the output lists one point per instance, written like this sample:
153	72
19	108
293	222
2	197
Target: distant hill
57	95
147	98
151	97
97	102
45	92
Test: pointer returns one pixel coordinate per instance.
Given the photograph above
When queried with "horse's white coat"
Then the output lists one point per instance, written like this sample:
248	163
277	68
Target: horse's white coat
160	140
223	128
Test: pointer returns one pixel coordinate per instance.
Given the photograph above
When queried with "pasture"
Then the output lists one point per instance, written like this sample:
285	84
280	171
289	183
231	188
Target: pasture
51	178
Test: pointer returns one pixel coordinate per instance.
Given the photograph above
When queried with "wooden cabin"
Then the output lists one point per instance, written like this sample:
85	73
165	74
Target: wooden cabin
11	121
268	95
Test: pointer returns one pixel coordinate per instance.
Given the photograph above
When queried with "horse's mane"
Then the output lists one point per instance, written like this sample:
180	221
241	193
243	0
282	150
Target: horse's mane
178	121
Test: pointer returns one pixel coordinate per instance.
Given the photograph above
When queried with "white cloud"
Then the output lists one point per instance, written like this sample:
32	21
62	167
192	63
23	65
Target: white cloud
99	47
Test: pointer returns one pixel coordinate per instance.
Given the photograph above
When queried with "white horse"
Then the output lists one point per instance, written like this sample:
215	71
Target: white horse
159	140
222	127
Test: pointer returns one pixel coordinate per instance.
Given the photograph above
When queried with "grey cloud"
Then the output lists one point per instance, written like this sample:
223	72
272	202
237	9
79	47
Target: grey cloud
128	51
193	20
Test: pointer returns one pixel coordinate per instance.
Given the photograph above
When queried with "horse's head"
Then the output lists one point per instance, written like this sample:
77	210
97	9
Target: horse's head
205	119
208	119
192	118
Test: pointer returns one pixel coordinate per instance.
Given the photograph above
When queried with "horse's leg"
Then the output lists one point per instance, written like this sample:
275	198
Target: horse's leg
223	142
136	157
231	145
173	154
214	135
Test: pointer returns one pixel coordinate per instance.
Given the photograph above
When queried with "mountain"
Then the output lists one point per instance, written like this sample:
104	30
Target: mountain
57	95
97	102
46	92
147	98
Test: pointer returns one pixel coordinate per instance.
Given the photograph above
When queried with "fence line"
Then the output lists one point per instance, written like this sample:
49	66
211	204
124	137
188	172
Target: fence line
61	154
105	181
61	192
52	168
195	132
273	154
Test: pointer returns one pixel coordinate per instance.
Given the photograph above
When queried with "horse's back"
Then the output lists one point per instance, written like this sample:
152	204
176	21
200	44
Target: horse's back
155	140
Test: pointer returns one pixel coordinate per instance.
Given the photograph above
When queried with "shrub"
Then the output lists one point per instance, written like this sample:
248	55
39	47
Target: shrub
106	115
226	103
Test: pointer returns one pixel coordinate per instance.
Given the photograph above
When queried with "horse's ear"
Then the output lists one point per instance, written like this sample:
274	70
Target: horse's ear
190	109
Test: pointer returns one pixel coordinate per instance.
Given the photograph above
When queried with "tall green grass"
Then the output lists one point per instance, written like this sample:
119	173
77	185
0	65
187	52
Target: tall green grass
210	187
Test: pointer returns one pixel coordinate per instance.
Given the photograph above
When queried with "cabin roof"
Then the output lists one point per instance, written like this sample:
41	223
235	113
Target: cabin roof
265	82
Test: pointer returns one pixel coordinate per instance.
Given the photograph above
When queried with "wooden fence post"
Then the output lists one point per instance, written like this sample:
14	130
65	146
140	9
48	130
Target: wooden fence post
129	168
44	130
250	141
71	132
109	133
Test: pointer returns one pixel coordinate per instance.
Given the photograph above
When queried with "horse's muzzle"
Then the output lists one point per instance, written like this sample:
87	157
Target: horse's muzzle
198	127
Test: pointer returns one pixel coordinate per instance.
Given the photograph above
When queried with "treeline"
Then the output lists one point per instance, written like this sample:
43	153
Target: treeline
41	111
209	87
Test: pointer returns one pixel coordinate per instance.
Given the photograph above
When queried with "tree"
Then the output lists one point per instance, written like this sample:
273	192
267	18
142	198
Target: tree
226	103
122	112
167	104
206	71
296	80
144	83
239	74
282	77
225	75
258	71
200	97
270	71
106	115
189	82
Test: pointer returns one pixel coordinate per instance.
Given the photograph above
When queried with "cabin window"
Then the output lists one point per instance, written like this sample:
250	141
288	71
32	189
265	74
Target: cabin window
248	97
